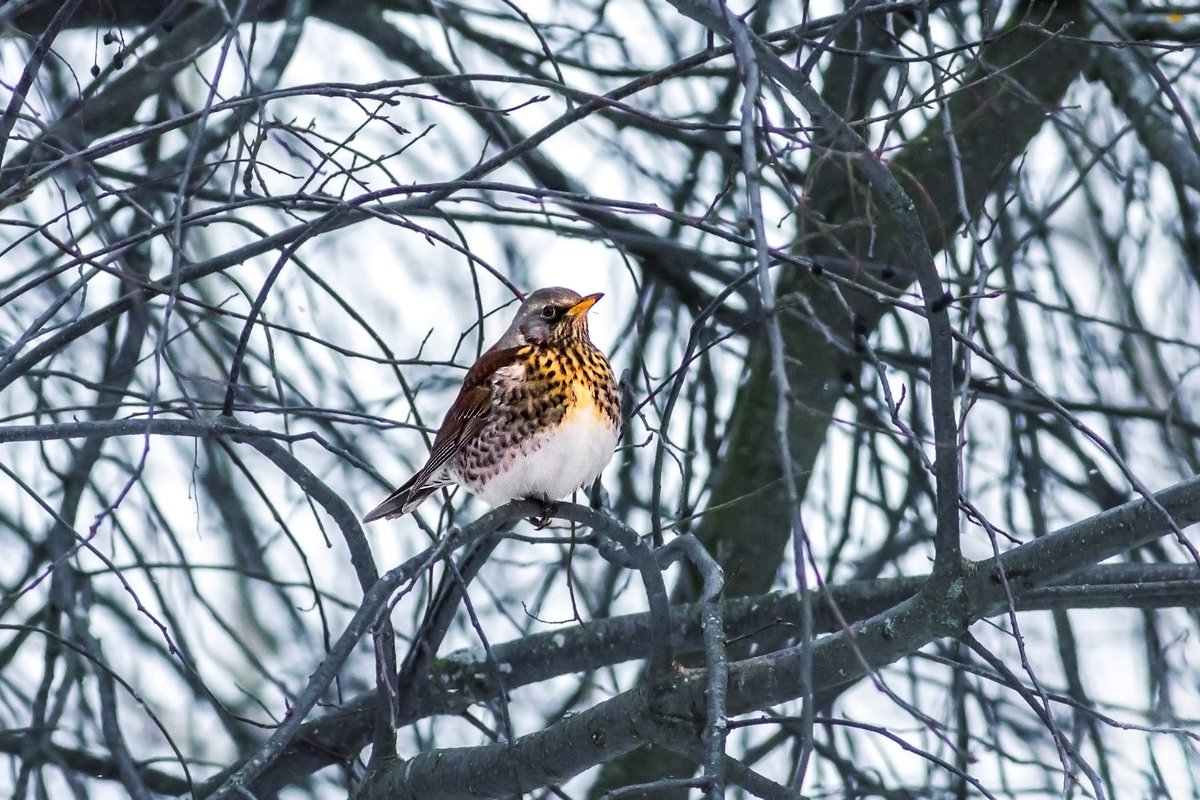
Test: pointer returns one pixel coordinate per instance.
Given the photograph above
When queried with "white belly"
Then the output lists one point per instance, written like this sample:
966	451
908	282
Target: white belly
556	463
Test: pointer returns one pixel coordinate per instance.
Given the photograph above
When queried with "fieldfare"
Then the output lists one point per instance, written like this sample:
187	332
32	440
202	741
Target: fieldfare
537	417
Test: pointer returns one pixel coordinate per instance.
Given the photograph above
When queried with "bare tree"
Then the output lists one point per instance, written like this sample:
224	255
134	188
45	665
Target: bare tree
903	294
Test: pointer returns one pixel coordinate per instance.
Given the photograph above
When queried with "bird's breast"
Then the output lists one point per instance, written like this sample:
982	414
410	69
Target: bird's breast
554	427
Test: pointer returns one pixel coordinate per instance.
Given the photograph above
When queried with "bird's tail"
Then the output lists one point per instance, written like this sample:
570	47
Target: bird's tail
401	501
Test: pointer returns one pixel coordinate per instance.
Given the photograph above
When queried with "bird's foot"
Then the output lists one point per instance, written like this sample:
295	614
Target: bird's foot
541	522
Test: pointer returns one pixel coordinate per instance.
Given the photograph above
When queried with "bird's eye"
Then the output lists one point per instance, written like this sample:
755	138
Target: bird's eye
549	312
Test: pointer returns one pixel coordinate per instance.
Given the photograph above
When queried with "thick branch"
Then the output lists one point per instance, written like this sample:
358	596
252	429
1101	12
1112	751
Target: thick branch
627	721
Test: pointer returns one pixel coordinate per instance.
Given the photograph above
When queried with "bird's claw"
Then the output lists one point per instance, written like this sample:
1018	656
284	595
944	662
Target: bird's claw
547	515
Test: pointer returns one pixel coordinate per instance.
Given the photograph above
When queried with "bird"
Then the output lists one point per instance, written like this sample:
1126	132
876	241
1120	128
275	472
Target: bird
538	415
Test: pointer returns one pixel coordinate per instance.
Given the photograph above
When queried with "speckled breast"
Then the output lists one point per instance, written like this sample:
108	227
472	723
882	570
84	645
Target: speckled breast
555	423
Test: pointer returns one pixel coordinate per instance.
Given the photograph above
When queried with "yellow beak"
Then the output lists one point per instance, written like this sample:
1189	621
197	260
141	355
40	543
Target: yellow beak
581	308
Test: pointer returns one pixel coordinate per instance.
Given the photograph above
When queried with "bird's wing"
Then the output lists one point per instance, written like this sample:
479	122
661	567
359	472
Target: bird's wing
462	423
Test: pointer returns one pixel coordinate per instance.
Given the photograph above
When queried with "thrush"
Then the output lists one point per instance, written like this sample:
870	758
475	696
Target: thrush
537	417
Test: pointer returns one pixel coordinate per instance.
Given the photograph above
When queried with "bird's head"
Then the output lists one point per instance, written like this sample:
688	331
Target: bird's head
552	315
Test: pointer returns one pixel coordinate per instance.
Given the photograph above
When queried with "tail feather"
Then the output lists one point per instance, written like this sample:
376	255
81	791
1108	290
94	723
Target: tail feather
401	501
